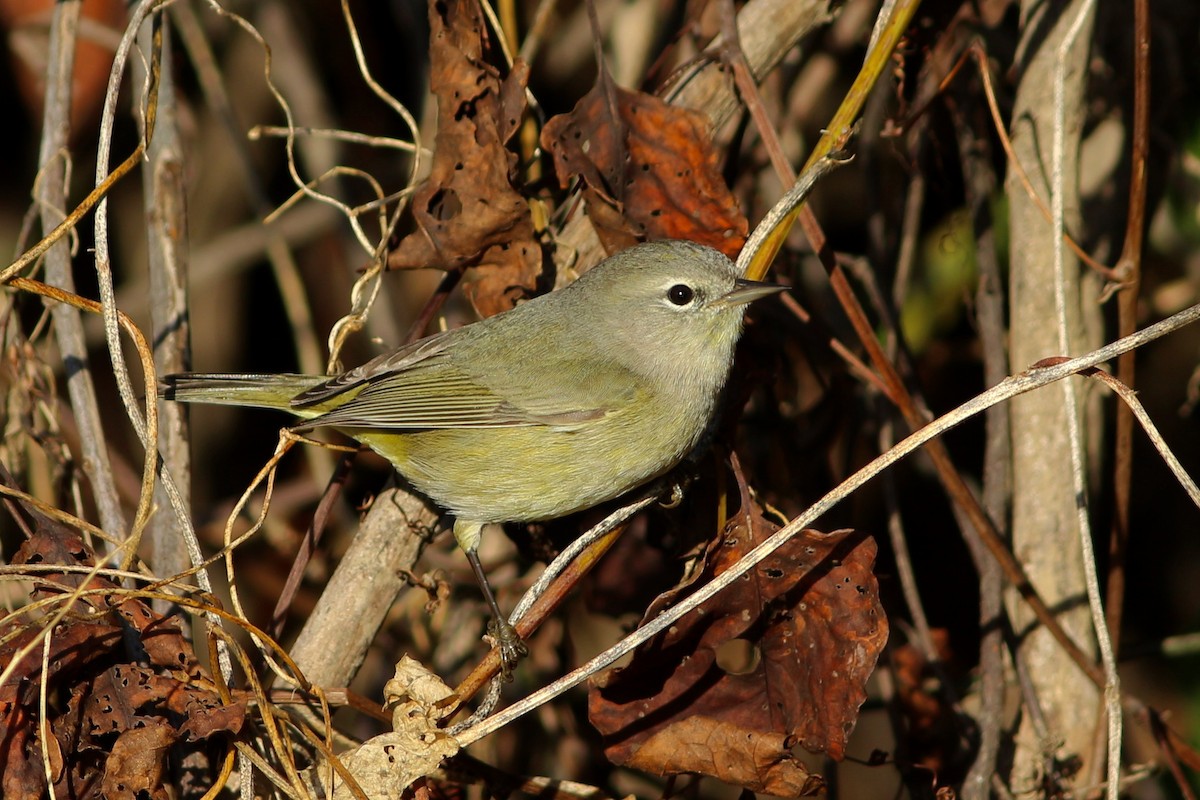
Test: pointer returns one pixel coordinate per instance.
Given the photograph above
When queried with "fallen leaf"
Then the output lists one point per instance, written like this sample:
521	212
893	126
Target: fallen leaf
128	694
810	616
385	765
757	761
161	636
206	718
415	693
649	173
116	714
468	213
22	776
134	770
74	647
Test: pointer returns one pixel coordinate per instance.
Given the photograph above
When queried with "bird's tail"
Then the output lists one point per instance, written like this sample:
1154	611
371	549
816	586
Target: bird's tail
260	391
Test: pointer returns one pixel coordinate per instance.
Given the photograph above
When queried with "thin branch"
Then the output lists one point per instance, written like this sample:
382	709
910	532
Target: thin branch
146	426
164	202
1112	684
53	157
350	137
1128	271
980	184
1138	412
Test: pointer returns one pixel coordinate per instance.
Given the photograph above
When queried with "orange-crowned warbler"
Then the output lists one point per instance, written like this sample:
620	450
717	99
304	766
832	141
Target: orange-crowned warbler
566	401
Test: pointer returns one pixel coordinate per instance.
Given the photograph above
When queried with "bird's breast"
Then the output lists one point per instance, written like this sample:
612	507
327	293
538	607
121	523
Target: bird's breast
535	472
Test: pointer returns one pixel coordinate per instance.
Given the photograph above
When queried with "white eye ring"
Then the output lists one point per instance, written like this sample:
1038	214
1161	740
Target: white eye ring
681	294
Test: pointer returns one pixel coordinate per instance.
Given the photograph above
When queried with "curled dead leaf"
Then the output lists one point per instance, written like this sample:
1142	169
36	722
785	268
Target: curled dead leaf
810	614
134	769
468	213
650	173
385	765
414	691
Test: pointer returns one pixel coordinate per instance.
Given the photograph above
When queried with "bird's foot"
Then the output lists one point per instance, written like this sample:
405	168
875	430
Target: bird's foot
512	648
673	495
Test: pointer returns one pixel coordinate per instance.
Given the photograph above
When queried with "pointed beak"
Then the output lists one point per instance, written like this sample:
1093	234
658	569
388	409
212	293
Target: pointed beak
745	291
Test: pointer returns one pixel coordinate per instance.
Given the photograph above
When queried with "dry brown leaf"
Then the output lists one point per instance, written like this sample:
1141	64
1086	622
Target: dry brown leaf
112	707
415	692
812	614
161	636
758	761
75	647
127	695
23	777
205	718
385	765
468	213
134	770
651	173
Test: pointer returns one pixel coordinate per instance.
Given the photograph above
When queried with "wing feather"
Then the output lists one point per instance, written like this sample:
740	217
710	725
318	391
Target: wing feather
450	381
378	368
435	397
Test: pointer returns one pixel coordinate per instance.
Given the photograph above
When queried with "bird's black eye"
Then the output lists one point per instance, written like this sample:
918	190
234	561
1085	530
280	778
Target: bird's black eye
680	294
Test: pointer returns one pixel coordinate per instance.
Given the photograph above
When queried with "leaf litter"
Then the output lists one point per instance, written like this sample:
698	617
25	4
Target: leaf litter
121	711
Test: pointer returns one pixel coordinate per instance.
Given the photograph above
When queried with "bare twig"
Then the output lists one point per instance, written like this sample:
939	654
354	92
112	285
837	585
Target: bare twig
351	137
165	203
145	424
980	184
1112	686
53	157
1128	271
1138	412
547	592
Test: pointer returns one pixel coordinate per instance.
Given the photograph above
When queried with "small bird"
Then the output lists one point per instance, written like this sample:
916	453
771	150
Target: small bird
566	401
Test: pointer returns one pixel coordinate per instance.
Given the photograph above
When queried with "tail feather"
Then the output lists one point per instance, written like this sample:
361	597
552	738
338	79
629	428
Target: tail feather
259	391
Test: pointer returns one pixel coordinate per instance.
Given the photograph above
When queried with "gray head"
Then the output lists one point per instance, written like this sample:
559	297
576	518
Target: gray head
674	307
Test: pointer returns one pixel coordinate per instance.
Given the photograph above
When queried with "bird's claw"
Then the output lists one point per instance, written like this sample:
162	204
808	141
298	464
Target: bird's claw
512	648
673	497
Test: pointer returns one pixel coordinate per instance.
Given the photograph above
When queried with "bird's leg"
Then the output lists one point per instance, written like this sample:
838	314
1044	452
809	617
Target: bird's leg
512	649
